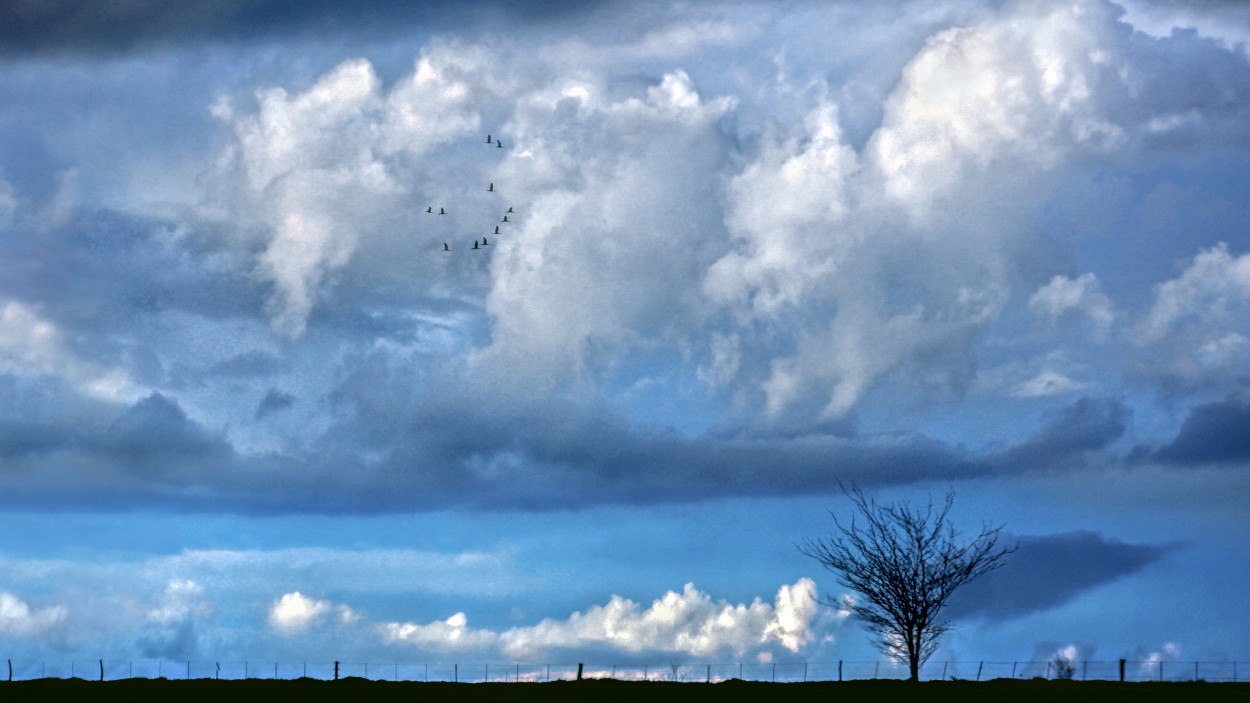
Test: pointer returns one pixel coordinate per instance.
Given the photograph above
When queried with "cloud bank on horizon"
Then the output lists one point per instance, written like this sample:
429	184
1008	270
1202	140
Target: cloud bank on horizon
163	613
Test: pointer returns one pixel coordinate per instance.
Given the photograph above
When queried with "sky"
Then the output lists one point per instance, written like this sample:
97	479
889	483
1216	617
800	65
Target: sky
261	400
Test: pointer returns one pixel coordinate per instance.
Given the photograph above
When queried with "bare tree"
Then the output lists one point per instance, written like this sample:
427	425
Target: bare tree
904	563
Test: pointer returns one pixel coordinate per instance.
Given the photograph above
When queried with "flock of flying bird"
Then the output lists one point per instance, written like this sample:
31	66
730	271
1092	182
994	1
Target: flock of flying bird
490	189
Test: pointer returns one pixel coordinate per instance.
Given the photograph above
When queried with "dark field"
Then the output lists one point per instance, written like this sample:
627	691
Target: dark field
597	690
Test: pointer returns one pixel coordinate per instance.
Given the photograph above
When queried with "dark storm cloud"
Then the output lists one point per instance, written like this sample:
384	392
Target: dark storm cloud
103	271
1088	425
248	364
111	26
464	445
1212	434
19	439
274	401
1048	571
155	433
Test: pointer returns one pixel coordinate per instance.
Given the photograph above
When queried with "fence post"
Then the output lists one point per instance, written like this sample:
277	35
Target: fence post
979	668
774	672
336	671
1121	671
101	669
518	673
947	663
839	670
1013	669
456	674
579	671
11	671
804	672
709	672
1160	669
1195	671
1085	671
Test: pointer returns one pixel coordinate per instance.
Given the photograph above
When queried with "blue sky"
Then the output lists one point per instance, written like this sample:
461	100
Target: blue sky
249	407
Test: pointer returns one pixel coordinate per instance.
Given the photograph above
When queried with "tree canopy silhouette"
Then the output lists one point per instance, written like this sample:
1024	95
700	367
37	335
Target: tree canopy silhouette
904	563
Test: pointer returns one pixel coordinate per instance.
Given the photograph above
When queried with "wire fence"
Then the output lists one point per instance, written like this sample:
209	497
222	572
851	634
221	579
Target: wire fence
779	672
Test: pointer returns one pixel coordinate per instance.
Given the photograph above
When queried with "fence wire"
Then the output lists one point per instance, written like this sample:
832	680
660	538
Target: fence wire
780	672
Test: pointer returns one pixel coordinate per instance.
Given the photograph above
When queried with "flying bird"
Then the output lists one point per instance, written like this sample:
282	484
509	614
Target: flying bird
445	247
491	189
488	139
484	242
430	209
496	229
505	219
509	209
475	244
498	144
441	211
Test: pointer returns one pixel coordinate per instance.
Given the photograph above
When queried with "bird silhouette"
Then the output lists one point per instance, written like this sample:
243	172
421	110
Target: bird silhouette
441	211
484	242
475	244
509	209
505	219
496	229
430	209
491	189
498	144
445	247
488	139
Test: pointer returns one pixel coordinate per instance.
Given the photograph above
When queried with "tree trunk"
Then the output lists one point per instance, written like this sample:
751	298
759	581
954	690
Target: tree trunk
913	665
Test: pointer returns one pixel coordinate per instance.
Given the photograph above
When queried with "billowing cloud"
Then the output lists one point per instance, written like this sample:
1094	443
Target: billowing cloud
1213	282
1063	296
1191	337
173	623
295	614
689	623
19	619
727	252
31	345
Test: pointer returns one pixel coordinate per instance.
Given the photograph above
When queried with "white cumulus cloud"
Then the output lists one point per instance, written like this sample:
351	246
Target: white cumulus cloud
687	623
1213	282
18	619
295	613
1063	295
31	344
